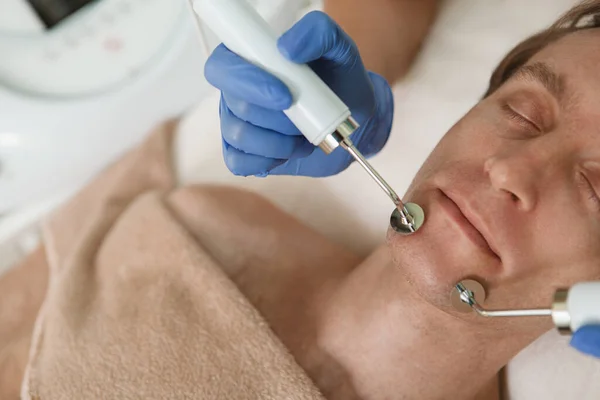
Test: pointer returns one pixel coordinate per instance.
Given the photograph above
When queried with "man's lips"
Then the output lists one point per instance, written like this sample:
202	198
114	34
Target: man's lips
467	226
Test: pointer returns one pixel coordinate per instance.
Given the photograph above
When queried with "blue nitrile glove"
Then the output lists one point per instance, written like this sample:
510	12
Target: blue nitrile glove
258	139
587	340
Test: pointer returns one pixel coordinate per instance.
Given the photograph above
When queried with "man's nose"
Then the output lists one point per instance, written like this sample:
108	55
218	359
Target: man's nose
516	176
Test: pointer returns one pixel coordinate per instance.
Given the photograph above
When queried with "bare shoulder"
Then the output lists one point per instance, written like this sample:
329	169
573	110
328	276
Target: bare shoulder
251	237
228	205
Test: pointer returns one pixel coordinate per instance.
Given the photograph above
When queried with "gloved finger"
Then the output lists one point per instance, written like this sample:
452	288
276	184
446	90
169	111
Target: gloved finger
259	116
376	128
229	72
317	36
317	165
587	340
255	140
243	164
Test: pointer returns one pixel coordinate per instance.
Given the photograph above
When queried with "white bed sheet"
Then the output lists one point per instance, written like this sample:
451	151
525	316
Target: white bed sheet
451	74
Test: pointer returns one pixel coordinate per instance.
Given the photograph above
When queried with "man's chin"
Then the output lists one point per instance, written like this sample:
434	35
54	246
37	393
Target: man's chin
432	261
421	274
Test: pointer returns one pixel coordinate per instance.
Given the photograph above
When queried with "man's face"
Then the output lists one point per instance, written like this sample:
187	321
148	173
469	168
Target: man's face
512	192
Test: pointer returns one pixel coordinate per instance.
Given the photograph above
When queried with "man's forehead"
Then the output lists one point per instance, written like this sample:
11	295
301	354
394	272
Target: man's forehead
566	67
576	52
543	74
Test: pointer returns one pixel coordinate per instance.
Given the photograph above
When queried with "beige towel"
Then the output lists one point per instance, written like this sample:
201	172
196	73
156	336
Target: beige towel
22	291
136	308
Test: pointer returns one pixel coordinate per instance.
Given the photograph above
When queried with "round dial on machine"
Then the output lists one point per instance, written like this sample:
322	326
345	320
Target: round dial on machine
71	48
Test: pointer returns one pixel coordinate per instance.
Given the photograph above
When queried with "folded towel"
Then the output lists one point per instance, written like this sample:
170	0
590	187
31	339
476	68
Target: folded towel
136	307
22	290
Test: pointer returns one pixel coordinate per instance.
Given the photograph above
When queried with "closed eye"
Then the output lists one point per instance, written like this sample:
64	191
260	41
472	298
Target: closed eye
520	120
592	194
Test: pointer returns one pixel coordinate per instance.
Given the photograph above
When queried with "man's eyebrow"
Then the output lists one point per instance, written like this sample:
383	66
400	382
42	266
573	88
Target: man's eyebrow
543	74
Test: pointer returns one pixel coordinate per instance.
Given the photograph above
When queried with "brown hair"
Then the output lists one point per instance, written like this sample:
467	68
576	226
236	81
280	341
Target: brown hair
586	15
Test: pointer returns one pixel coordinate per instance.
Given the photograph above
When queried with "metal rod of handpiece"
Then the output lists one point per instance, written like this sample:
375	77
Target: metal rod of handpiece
350	148
537	312
468	297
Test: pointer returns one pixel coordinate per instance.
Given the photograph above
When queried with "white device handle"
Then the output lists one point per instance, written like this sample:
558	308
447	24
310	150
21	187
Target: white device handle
583	304
316	111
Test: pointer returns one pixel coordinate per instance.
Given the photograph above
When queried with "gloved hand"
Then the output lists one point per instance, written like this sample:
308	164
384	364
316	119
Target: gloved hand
258	139
587	340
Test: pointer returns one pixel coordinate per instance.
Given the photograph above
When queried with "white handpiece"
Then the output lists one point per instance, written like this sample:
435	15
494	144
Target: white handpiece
576	307
583	305
316	111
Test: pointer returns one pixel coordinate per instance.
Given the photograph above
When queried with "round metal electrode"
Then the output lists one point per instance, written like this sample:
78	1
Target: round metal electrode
473	286
417	213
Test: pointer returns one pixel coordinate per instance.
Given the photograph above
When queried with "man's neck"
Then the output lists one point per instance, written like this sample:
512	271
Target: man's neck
390	343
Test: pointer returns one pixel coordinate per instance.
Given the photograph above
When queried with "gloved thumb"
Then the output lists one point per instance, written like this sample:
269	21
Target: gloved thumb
317	36
587	340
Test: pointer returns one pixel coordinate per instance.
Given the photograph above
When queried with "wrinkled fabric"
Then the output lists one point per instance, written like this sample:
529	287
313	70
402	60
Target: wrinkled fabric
22	291
135	306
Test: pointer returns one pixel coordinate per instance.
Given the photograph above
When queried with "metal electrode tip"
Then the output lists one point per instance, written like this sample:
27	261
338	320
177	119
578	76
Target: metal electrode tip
466	296
407	219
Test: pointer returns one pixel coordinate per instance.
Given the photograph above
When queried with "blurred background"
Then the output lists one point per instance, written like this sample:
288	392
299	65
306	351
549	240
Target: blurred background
82	81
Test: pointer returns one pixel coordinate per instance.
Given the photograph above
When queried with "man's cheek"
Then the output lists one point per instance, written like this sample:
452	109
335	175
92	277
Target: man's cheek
481	130
463	142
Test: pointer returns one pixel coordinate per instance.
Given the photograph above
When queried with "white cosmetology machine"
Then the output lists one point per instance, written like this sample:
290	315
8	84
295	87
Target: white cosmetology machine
81	81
